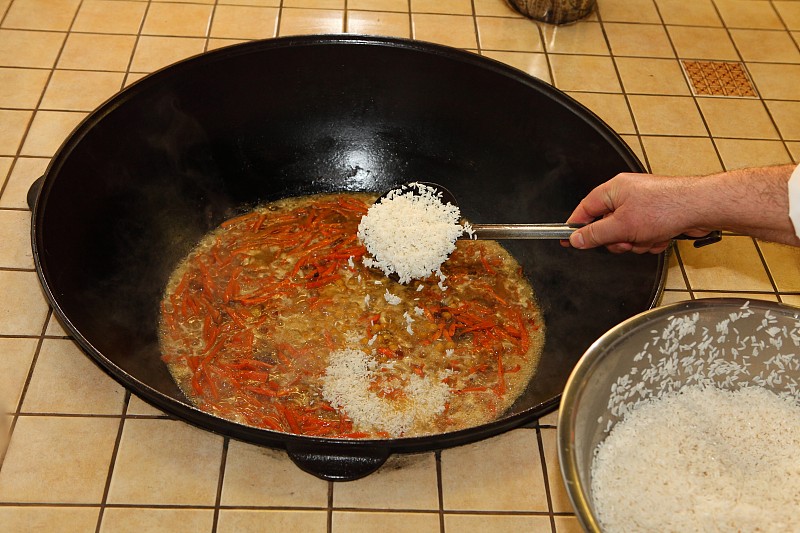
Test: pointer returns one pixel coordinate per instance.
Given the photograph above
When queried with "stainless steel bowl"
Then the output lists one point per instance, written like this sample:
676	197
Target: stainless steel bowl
729	342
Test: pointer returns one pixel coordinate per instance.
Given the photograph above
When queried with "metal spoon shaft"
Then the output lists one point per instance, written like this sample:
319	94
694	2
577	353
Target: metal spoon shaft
522	231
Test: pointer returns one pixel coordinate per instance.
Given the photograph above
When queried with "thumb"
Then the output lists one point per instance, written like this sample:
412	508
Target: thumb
601	232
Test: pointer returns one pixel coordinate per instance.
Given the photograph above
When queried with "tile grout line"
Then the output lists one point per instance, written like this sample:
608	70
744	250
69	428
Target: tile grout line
15	418
637	132
547	491
15	415
112	462
220	484
439	489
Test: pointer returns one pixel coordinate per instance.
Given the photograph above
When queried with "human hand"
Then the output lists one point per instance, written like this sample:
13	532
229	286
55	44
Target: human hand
638	213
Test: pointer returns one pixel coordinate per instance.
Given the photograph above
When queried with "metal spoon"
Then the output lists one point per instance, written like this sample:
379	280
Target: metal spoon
534	231
500	231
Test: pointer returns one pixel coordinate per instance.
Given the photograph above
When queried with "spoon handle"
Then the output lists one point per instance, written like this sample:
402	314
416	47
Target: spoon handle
522	231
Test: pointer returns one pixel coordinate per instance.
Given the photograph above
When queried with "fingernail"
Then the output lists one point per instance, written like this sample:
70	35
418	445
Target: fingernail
576	240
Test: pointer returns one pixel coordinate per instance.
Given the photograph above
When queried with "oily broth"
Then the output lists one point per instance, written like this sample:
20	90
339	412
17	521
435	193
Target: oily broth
252	315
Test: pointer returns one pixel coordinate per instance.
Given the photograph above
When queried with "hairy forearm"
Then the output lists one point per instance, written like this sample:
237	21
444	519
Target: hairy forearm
750	201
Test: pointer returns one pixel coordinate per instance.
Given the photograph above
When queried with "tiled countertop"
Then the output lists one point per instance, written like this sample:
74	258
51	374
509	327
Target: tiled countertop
85	455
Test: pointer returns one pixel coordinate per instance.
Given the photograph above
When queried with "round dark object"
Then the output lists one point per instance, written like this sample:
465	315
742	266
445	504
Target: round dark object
146	175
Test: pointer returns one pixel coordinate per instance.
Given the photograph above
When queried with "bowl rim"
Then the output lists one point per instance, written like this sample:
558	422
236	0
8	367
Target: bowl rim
595	355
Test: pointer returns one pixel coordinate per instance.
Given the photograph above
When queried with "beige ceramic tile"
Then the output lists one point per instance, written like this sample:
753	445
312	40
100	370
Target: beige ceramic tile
80	90
465	523
558	493
450	30
784	264
771	297
86	51
139	407
310	21
137	520
652	76
257	3
667	115
58	459
110	16
550	419
519	35
766	45
568	524
214	44
31	49
54	327
177	20
791	299
732	264
675	279
585	38
22	87
450	7
55	15
587	73
501	473
737	118
671	297
26	171
23	308
316	4
695	13
495	8
133	77
61	519
66	381
15	230
639	40
635	144
794	149
14	125
748	14
153	53
152	450
611	108
404	482
245	22
258	476
789	11
48	130
532	63
379	23
629	11
379	5
16	356
681	156
5	166
360	522
702	43
244	521
743	153
787	115
778	82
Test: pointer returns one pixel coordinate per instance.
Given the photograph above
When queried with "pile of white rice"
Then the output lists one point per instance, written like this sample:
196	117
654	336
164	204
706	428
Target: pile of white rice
410	232
346	386
704	459
704	431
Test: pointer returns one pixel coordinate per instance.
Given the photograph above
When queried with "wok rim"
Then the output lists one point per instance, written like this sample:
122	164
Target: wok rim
206	421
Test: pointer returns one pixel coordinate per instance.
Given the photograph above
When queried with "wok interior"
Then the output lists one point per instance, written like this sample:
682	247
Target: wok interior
153	170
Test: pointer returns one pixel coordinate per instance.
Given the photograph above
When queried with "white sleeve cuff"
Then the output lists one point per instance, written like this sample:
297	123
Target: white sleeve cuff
794	199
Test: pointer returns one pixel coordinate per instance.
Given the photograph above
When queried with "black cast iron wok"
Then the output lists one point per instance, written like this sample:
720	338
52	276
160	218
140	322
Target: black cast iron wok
160	164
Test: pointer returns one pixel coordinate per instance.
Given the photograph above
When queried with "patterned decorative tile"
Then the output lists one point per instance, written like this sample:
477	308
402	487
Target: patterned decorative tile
719	78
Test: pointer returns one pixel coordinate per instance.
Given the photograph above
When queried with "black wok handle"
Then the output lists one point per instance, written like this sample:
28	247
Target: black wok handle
335	463
33	192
